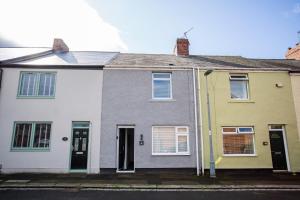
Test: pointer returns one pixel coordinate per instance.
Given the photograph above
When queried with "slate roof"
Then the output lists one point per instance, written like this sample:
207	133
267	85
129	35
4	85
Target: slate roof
88	58
48	57
217	62
13	53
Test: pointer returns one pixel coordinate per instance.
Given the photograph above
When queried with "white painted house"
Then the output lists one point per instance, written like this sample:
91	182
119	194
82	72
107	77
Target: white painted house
50	109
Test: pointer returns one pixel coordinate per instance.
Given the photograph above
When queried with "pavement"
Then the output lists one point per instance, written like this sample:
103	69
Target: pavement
70	194
150	182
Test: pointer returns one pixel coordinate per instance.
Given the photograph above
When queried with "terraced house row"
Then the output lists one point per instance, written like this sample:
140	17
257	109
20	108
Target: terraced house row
65	111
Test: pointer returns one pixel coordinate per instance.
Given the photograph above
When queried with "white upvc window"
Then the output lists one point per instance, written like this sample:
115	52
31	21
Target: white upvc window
239	86
161	86
170	140
37	84
238	141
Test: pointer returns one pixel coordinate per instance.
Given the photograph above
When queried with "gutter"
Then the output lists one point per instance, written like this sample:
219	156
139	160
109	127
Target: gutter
196	122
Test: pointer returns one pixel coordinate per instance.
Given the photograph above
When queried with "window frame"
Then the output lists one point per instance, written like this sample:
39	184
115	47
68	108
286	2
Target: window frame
177	134
32	134
246	78
237	133
37	75
165	79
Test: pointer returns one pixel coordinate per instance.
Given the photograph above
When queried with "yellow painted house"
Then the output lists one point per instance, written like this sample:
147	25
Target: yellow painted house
254	124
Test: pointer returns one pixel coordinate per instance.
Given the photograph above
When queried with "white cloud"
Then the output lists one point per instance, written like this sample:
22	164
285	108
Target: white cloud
37	22
297	8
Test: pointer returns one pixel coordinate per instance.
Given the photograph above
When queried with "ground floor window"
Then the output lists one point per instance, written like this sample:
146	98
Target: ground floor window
31	136
170	140
238	140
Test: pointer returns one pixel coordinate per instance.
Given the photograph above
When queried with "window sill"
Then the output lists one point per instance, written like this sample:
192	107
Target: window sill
240	101
30	150
35	97
171	154
162	100
239	155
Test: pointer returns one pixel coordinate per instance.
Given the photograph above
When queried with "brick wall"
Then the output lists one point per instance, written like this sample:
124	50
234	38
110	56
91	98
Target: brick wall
293	53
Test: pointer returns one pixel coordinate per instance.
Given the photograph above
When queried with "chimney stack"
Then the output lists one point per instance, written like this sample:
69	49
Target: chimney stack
294	53
182	47
60	45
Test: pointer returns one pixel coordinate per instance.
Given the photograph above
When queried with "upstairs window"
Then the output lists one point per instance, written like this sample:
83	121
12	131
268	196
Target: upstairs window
239	86
37	84
161	86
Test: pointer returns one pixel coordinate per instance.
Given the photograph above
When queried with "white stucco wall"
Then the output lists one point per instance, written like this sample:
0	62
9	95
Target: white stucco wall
77	98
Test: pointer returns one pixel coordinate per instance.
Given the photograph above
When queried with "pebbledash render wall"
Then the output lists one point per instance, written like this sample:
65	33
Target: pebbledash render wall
127	100
77	98
267	105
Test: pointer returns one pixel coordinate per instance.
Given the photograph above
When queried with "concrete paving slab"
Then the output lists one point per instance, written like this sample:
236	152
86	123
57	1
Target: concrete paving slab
17	181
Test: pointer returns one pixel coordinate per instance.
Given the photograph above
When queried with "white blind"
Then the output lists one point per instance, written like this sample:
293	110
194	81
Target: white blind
170	140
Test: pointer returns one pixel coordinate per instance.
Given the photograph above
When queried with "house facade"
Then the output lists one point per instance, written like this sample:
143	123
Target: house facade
50	112
253	117
148	115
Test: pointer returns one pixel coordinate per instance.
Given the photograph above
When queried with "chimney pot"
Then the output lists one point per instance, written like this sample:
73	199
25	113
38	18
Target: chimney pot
182	47
59	45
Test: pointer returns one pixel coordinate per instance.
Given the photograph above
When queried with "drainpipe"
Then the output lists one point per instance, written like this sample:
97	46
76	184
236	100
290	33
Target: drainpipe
201	124
196	122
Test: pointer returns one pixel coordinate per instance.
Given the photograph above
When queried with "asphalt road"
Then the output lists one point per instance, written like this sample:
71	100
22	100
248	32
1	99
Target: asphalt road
129	195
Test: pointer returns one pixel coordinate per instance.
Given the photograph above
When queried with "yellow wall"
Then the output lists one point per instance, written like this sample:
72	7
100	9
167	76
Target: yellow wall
295	78
267	105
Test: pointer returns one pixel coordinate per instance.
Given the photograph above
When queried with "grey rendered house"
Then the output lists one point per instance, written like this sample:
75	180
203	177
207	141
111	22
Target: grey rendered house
148	114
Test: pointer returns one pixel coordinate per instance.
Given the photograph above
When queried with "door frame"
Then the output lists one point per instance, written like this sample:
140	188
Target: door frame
287	158
89	147
117	153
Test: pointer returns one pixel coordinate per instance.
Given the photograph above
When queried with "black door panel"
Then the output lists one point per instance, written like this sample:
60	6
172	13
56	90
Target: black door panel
80	149
277	150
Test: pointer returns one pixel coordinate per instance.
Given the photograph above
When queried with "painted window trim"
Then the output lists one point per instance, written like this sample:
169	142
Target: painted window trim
187	134
237	133
36	86
247	86
166	79
30	148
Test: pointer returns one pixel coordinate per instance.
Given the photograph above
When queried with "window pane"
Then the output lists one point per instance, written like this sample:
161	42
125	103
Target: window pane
162	75
182	143
246	130
27	84
46	84
238	144
164	141
238	89
229	130
162	89
22	135
42	136
182	130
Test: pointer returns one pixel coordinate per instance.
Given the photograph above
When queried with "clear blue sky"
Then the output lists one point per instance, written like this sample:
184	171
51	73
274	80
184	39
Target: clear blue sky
256	28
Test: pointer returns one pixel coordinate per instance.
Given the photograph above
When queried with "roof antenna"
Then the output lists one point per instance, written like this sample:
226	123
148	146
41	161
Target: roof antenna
298	33
185	33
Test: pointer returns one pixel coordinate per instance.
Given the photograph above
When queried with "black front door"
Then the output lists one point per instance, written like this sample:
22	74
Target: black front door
126	149
277	150
80	149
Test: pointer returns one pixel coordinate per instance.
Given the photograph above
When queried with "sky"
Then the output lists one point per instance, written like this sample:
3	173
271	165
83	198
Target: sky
254	29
